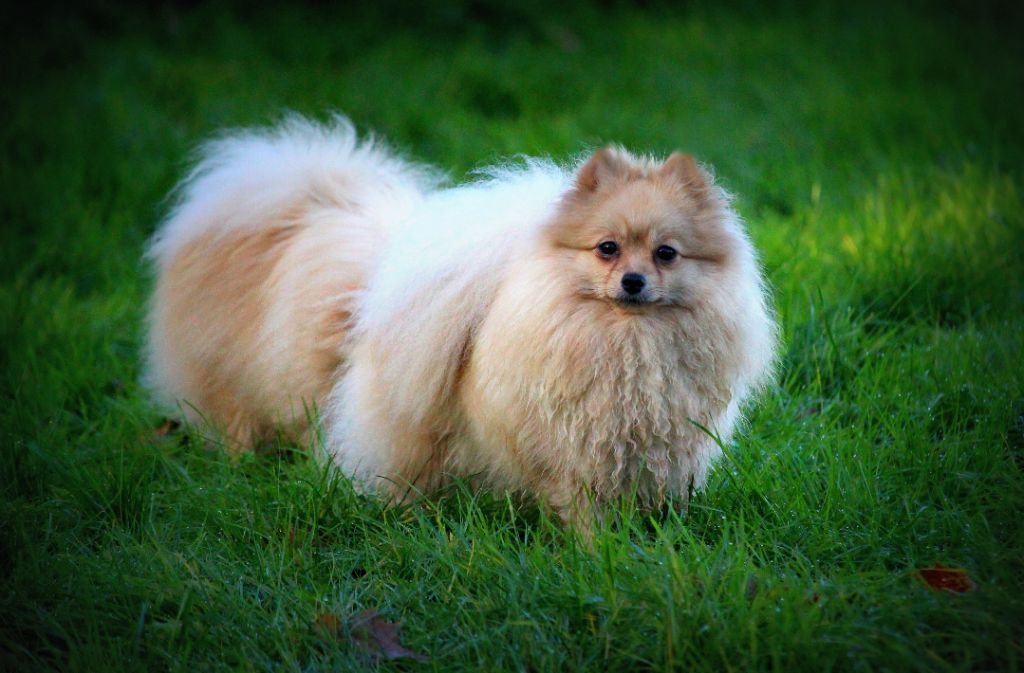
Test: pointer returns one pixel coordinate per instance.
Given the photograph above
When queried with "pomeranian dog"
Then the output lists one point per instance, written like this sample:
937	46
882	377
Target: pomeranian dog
569	334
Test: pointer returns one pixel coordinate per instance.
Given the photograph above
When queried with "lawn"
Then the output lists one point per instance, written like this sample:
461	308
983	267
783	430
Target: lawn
877	156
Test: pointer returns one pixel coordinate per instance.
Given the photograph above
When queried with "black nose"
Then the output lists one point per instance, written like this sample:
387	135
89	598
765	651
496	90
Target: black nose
633	283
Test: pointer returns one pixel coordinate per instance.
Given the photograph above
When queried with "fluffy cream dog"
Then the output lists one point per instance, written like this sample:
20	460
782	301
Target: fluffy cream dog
558	333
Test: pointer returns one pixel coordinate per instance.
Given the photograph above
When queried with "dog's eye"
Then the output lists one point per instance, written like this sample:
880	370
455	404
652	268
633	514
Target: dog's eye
608	248
666	253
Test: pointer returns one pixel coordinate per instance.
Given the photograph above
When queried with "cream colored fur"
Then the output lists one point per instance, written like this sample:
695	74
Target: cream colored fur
467	332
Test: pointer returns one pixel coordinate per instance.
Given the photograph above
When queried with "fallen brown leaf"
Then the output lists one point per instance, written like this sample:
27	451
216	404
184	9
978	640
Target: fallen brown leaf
942	578
369	632
327	626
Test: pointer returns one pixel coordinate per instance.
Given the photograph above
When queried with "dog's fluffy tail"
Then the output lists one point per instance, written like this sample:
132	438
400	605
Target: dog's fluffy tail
247	177
259	267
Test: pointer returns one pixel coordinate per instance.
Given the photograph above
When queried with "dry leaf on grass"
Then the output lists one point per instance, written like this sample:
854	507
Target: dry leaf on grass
942	578
369	632
327	626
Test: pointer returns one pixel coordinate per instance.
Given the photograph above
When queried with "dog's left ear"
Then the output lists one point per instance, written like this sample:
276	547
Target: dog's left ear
683	168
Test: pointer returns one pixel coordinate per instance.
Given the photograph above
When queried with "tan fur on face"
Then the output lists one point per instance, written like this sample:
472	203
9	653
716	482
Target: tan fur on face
641	207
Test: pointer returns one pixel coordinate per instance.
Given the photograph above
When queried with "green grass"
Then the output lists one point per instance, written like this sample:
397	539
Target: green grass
878	157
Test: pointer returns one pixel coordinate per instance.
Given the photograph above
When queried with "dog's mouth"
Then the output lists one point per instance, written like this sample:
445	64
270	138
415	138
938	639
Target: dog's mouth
634	300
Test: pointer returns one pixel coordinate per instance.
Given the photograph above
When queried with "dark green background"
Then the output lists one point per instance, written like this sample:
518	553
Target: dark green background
876	154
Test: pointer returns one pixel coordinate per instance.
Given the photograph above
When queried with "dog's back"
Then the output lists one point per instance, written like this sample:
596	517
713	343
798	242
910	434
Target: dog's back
258	269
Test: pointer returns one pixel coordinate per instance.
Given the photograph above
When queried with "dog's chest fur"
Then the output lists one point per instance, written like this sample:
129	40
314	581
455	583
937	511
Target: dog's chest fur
605	402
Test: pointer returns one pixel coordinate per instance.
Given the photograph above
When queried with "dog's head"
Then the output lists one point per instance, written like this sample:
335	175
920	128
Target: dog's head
636	233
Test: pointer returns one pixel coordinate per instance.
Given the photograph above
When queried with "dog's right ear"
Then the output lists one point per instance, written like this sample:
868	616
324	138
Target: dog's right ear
605	166
688	172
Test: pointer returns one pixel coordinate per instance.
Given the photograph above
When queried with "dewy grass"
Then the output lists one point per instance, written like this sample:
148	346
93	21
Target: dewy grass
876	155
